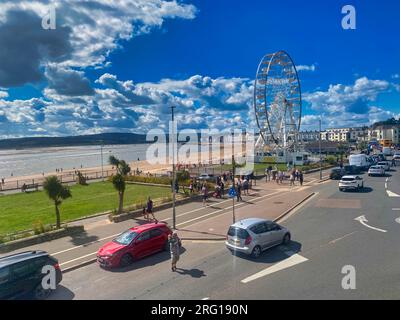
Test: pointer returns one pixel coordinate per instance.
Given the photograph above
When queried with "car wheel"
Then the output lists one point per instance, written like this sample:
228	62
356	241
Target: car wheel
126	260
40	293
256	253
286	238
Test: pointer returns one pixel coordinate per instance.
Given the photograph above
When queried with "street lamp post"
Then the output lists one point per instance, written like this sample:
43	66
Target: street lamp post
320	155
233	178
173	170
102	167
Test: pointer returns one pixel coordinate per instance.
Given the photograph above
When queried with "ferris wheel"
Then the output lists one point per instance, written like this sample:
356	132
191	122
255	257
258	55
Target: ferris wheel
277	101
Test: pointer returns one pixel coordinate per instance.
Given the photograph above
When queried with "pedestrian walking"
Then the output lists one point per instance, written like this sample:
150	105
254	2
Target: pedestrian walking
239	191
222	189
301	177
204	192
292	179
191	187
149	208
174	246
246	186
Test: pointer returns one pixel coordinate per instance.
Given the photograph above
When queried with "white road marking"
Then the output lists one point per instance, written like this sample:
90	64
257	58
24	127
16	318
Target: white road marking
364	221
385	185
217	211
291	261
387	179
396	209
206	298
341	238
79	258
392	194
85	245
398	220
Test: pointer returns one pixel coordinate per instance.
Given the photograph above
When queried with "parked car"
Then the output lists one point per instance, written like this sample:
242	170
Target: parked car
351	183
207	177
21	275
253	236
384	164
396	156
376	171
336	173
133	244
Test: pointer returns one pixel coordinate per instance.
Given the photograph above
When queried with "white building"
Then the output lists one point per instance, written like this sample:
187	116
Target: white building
385	132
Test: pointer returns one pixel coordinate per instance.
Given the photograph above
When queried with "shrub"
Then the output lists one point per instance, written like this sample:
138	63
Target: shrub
38	227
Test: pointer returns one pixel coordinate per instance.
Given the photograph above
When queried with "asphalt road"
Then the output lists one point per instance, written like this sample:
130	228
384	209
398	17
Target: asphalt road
326	237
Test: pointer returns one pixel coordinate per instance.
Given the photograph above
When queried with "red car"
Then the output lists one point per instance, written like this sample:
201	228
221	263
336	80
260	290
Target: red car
133	244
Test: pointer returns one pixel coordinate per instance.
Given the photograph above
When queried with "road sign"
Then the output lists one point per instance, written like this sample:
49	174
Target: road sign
232	192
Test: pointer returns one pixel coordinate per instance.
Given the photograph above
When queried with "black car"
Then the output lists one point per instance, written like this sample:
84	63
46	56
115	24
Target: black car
351	170
336	173
21	275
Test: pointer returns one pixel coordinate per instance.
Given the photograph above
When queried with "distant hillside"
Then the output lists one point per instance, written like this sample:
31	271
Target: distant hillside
96	139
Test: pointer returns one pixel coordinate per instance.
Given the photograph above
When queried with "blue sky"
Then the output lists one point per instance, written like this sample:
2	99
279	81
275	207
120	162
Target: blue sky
116	67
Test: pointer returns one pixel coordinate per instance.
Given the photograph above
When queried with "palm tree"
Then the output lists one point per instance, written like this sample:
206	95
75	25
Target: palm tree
119	184
119	179
57	192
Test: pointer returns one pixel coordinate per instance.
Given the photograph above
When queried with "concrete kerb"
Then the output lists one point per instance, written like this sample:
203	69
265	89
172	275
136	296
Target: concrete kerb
294	207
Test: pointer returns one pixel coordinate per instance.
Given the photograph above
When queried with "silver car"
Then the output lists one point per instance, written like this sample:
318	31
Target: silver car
254	235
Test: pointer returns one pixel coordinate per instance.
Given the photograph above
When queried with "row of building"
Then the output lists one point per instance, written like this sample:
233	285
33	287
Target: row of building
355	135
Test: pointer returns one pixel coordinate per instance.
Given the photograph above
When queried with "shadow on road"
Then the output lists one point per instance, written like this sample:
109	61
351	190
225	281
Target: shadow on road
275	254
363	190
146	262
82	238
62	293
223	236
194	273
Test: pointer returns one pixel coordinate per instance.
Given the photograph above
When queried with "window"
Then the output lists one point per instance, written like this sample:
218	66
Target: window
126	237
238	232
259	228
155	233
23	269
4	275
144	236
271	226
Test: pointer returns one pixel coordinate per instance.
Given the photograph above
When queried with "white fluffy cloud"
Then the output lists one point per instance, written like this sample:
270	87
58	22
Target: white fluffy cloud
311	68
96	27
115	106
347	105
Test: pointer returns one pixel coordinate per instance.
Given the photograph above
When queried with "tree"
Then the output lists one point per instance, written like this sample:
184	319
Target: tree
119	179
342	148
122	167
119	184
57	192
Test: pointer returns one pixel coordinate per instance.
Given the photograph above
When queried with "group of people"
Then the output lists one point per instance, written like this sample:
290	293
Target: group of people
273	174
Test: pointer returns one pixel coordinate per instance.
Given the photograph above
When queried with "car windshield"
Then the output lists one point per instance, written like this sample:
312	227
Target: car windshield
126	237
348	179
238	232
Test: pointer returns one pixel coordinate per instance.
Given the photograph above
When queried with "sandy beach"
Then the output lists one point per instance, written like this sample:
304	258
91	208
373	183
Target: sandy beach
144	166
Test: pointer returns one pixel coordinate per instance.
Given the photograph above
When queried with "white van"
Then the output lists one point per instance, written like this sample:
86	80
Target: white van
359	160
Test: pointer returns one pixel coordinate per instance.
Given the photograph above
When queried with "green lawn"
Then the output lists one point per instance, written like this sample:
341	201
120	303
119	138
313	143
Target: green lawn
20	211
